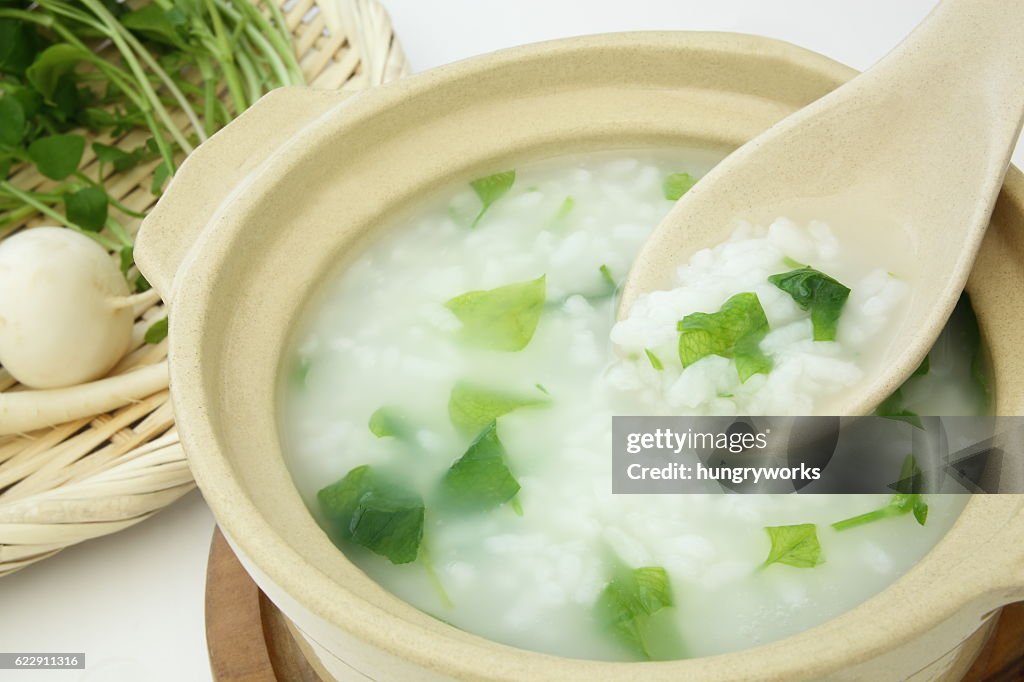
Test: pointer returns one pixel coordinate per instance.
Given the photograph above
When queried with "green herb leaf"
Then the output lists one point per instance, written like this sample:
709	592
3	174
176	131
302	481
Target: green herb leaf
735	332
118	158
794	546
12	121
655	362
923	368
142	284
481	479
628	602
892	408
157	331
502	319
375	513
910	498
154	23
491	188
387	421
127	259
472	407
565	209
57	156
160	175
87	208
19	42
677	184
51	65
815	291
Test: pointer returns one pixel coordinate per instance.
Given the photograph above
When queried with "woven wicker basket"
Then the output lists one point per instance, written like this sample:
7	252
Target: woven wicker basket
99	474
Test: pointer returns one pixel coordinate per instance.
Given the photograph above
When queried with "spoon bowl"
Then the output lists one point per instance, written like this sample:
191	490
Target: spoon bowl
905	160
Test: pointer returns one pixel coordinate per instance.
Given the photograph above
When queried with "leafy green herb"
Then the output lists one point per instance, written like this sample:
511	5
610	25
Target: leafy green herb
655	362
119	159
795	264
909	498
57	156
794	546
387	421
565	209
491	188
677	184
627	603
127	258
157	331
472	407
12	121
815	291
892	408
923	368
502	319
734	332
375	513
87	208
481	479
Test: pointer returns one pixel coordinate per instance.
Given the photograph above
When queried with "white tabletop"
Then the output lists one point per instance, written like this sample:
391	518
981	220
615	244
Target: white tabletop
134	601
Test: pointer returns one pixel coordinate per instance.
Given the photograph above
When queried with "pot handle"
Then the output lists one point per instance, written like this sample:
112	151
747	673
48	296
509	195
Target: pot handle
210	174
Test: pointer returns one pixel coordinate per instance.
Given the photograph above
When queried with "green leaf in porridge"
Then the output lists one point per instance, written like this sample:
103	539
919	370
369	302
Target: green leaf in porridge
735	331
677	184
491	188
374	512
629	600
388	421
481	479
472	407
815	291
654	360
794	546
908	499
892	408
157	331
502	319
565	209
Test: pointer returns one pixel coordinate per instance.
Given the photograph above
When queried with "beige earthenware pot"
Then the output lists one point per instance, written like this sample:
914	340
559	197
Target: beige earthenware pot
259	214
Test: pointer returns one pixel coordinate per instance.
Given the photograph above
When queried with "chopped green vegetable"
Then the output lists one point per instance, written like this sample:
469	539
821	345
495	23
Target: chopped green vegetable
491	188
481	479
502	319
87	208
815	291
375	513
628	602
734	332
909	498
565	209
794	546
157	331
677	184
791	263
655	362
300	370
472	407
387	421
892	408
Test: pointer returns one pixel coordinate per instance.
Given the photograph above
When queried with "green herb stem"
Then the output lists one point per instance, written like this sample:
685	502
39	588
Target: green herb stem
870	517
113	201
47	211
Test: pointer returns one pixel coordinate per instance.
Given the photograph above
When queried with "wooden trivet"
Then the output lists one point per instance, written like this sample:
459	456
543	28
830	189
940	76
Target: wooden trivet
249	639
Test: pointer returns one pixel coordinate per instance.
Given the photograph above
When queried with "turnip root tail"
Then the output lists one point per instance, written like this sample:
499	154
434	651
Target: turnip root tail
22	411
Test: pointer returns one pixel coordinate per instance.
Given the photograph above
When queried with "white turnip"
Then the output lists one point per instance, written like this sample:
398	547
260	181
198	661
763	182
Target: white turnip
65	310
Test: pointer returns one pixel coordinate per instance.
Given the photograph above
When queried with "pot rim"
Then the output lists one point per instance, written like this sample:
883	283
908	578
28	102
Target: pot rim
446	649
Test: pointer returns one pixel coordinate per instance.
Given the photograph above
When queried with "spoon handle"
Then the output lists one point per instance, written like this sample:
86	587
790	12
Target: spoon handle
968	55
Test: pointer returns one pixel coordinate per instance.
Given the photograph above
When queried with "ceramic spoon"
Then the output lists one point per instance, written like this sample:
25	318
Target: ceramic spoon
905	161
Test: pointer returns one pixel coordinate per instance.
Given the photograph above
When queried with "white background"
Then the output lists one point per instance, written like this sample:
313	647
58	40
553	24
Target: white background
134	602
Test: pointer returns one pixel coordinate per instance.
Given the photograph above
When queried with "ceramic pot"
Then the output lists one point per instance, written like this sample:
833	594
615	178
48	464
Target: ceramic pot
258	215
